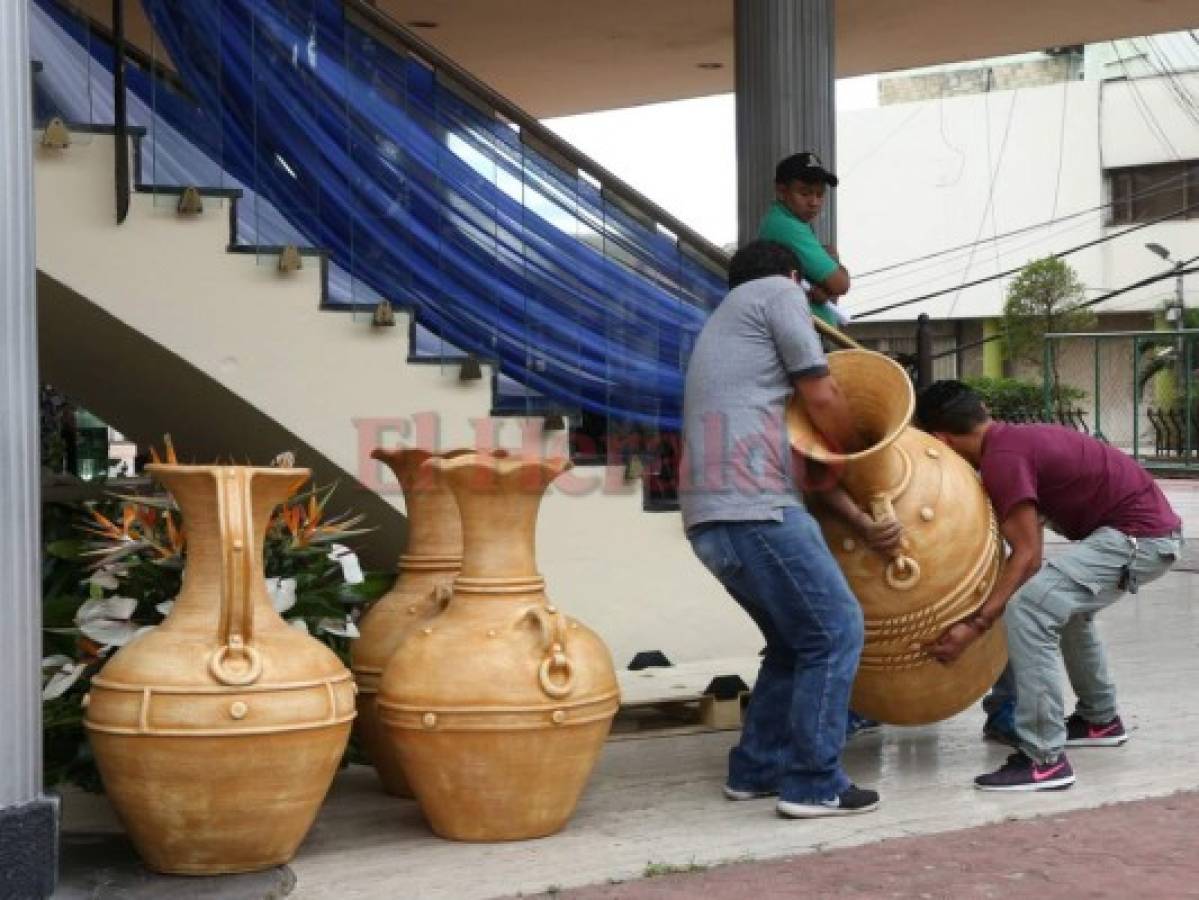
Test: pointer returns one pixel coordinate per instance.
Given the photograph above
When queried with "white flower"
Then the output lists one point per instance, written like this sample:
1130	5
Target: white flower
60	682
340	627
282	592
351	570
164	608
298	624
106	621
108	577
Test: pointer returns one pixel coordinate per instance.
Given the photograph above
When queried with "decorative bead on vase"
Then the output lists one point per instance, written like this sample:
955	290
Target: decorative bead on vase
218	733
950	558
499	707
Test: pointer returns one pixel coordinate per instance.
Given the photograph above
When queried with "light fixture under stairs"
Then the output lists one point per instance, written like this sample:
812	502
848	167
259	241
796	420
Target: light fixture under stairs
56	136
190	202
471	370
384	316
290	259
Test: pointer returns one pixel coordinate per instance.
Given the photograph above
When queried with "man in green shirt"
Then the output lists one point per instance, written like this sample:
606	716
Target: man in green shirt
800	182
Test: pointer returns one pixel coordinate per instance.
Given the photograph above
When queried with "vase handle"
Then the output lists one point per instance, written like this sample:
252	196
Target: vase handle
553	642
902	572
235	512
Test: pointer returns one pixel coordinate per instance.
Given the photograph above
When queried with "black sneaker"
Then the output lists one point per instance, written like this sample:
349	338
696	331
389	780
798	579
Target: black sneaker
849	802
1020	773
1081	733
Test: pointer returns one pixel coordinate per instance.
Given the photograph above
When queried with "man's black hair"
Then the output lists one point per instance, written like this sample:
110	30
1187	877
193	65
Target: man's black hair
761	259
949	406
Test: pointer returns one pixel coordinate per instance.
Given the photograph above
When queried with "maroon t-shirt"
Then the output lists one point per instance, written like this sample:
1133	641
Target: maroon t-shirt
1078	483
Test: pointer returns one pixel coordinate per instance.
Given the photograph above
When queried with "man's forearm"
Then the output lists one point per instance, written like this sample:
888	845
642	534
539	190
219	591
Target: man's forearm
837	500
1018	570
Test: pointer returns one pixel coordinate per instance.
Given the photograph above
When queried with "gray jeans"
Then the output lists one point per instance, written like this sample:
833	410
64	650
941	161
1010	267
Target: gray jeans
1055	610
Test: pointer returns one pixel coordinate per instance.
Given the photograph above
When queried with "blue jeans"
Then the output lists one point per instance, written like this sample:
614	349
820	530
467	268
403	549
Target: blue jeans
783	575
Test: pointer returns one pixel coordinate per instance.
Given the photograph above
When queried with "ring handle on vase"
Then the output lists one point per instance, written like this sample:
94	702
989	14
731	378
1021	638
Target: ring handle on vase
553	641
234	510
902	572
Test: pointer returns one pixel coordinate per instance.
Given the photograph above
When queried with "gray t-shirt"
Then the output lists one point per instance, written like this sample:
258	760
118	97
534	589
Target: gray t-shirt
736	460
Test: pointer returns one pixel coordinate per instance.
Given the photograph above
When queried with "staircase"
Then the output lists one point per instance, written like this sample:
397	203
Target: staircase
172	322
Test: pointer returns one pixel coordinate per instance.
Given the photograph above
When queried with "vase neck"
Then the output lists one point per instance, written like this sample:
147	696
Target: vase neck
434	526
498	534
498	500
225	514
883	472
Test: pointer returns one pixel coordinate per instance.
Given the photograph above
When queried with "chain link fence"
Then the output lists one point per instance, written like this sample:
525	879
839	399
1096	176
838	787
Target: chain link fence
1136	390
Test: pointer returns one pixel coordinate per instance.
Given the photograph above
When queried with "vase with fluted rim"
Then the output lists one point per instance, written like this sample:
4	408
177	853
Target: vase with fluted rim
500	706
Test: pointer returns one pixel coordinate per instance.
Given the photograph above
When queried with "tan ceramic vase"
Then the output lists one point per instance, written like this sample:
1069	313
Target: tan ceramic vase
431	559
499	707
218	733
950	559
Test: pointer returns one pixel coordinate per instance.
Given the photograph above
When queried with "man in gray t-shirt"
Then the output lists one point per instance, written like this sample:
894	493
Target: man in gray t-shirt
747	523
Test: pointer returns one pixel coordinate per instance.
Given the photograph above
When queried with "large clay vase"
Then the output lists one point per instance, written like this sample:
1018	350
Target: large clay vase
500	706
431	559
951	554
218	733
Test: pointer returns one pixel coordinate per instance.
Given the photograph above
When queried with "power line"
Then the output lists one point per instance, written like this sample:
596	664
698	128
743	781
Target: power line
1144	282
1159	188
994	179
1146	112
1004	274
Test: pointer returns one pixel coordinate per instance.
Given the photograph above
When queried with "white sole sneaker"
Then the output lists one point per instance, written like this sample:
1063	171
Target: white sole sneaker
1115	741
1051	784
789	810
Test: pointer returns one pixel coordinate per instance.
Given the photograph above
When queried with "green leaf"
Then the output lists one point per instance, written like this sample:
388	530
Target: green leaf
66	548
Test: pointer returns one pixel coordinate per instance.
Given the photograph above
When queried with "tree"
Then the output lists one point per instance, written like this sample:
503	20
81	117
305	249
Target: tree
1045	297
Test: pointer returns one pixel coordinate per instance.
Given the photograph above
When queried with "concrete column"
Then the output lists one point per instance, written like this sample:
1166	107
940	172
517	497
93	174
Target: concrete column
28	819
785	82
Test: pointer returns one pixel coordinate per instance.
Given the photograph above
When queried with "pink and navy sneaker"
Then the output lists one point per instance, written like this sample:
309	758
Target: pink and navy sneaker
1081	733
1020	773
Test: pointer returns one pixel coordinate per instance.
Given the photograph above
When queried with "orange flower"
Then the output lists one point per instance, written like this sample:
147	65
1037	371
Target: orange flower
175	536
106	528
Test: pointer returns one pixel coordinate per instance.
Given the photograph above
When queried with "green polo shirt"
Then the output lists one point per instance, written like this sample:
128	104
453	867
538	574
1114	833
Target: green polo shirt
784	227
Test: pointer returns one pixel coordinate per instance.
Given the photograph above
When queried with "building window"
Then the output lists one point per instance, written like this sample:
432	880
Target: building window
1145	193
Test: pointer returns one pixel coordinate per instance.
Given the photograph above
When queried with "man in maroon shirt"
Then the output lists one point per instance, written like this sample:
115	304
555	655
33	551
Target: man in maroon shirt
1126	535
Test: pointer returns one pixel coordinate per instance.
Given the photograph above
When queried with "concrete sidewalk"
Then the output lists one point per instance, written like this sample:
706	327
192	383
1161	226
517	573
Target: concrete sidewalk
1145	848
655	803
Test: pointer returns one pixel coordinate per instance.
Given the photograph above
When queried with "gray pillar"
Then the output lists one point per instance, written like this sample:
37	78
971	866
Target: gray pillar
785	82
28	819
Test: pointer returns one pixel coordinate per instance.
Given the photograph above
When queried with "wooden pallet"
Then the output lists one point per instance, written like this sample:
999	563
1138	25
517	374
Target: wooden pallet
679	699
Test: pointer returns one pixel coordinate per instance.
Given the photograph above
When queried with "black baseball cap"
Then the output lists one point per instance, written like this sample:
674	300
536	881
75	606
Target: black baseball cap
805	166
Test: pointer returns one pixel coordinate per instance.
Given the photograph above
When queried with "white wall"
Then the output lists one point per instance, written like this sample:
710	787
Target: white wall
916	179
1144	121
921	177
